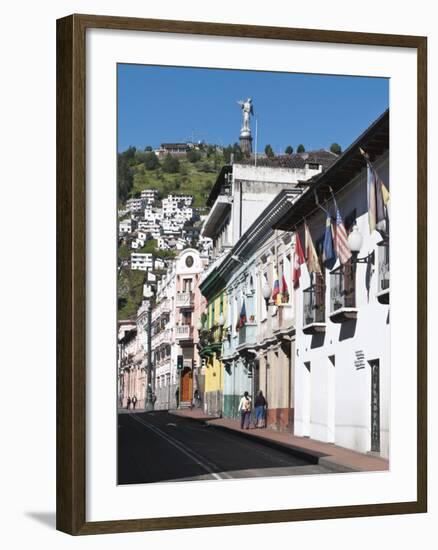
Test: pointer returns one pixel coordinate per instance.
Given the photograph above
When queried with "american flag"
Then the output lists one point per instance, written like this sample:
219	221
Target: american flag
342	250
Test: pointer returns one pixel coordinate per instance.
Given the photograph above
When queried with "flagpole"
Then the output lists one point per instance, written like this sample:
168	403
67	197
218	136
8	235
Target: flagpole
256	141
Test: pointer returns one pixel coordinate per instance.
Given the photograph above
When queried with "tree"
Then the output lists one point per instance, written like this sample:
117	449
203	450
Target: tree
148	148
130	152
170	164
151	161
193	155
234	150
211	150
336	148
269	152
289	150
300	148
125	177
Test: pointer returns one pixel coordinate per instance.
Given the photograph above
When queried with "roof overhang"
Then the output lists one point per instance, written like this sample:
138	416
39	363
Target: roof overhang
375	141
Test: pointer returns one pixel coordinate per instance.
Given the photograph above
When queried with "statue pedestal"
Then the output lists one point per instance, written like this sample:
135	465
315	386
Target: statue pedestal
245	142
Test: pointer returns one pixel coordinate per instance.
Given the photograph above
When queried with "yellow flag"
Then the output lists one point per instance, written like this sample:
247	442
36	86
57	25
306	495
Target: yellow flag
312	257
385	194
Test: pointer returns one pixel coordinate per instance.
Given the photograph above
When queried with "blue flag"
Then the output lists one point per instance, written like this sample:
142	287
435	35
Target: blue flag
328	253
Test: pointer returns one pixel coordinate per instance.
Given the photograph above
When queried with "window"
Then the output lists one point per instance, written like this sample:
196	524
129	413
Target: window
343	279
314	301
383	267
186	317
343	287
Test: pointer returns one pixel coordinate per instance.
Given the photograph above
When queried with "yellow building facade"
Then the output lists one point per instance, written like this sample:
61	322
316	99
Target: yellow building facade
213	334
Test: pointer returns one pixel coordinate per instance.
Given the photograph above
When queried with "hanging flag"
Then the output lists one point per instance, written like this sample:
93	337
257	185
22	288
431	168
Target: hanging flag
242	318
341	240
385	194
312	257
371	189
299	259
276	297
378	198
284	290
328	253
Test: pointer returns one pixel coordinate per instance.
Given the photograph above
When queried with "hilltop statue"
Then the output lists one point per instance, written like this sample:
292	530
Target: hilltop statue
245	131
247	110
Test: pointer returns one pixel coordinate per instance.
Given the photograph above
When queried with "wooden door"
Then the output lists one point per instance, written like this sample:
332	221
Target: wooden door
186	385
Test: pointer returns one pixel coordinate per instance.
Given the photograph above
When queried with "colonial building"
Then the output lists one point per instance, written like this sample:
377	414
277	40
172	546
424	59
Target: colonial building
342	355
175	318
131	369
251	339
242	201
242	191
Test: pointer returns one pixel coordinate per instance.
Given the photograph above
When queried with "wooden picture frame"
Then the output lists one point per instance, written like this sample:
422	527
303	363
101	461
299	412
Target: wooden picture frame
71	273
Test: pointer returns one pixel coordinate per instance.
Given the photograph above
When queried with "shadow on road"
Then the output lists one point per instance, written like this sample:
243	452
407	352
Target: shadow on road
157	446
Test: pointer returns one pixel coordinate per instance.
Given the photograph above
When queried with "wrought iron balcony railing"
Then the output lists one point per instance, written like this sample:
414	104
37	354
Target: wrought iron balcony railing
314	309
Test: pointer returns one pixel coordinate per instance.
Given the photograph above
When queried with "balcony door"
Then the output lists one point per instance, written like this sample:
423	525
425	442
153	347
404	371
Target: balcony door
187	285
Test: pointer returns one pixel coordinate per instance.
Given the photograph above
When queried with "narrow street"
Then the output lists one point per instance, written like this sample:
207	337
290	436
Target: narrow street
158	446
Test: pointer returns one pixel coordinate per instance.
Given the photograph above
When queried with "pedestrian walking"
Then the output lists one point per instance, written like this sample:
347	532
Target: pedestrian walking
260	409
245	411
197	398
128	403
134	402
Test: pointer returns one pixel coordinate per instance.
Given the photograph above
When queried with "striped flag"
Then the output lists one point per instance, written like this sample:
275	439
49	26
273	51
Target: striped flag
341	239
299	259
276	297
312	257
284	290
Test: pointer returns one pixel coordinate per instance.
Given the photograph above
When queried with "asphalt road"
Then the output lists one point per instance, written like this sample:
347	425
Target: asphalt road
158	447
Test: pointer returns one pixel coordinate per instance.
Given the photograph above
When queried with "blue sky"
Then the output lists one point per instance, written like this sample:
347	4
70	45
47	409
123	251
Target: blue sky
174	104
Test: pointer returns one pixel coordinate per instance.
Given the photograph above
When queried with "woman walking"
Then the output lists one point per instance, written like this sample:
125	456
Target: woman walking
245	410
260	409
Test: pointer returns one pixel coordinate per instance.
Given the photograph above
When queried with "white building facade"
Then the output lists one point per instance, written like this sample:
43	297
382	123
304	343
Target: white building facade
342	359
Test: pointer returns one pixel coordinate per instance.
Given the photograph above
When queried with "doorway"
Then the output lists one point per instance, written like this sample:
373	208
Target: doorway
375	406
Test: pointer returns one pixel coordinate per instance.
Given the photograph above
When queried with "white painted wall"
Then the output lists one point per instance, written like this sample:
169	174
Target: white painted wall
340	395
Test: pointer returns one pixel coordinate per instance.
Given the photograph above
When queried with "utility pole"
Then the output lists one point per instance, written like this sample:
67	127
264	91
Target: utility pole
149	403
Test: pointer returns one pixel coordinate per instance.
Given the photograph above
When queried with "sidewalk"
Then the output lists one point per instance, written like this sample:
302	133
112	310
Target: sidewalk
327	454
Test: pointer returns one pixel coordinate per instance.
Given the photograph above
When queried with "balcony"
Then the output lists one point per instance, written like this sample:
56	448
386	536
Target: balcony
183	332
184	299
283	321
343	294
383	273
210	341
162	337
313	310
247	337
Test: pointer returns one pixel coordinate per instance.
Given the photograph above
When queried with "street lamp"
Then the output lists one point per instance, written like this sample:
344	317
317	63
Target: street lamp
148	293
266	291
355	241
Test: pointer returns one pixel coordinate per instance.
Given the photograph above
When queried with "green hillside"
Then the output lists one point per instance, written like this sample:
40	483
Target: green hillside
138	170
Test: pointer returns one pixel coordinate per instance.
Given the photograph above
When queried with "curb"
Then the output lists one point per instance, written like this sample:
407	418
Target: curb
311	456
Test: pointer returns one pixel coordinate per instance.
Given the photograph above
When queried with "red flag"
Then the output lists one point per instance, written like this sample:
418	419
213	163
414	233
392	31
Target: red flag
298	260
